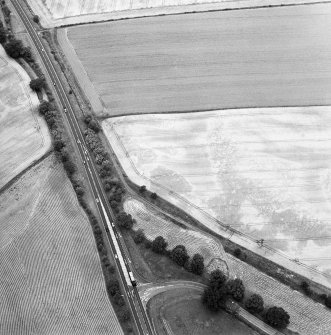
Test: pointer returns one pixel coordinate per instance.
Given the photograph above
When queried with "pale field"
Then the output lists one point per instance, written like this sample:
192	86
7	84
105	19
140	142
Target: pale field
24	136
51	278
266	172
58	13
206	61
194	242
307	317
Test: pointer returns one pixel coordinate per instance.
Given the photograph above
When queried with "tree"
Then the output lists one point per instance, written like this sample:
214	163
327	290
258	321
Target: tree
64	155
148	244
328	301
153	196
70	167
236	289
87	119
113	287
3	35
106	165
124	315
14	48
58	145
305	287
179	255
159	245
27	54
254	303
217	278
118	299
237	252
214	298
37	84
44	107
125	220
94	125
36	18
277	317
139	236
197	265
142	189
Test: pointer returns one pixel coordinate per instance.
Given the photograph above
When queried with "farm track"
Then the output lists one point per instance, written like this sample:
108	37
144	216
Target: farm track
51	279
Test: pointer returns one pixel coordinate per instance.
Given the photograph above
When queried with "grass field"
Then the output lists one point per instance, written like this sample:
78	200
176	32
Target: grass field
23	134
205	61
180	312
265	172
51	279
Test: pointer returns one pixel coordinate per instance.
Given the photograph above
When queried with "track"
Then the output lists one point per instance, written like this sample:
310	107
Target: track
137	310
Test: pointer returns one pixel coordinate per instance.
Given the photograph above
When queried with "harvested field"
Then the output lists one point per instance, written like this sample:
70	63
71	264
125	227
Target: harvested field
56	13
24	136
266	172
195	242
51	278
206	61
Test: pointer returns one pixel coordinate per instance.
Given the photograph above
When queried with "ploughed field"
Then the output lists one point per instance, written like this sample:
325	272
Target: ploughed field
266	172
50	274
23	134
205	61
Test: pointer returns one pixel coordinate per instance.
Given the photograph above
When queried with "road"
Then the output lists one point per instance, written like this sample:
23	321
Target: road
131	293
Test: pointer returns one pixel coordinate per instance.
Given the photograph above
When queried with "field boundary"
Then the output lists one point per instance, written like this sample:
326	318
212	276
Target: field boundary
104	118
19	175
126	14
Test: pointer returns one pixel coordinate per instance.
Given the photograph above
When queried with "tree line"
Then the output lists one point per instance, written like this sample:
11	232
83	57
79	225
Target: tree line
220	290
